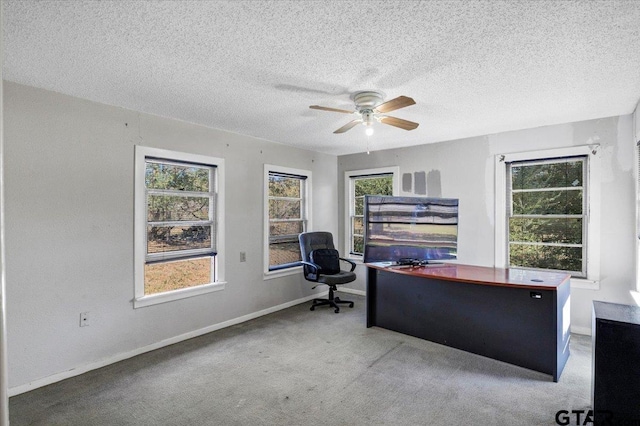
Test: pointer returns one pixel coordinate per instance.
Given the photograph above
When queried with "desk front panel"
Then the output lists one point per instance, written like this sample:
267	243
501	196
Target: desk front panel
515	325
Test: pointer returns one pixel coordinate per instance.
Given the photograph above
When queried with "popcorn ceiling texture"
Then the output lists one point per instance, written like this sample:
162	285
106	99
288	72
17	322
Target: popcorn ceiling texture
254	67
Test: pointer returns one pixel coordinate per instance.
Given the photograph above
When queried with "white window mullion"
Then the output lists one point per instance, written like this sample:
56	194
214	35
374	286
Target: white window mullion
566	188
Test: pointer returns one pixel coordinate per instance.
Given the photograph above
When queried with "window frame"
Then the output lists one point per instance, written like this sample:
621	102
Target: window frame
142	154
350	178
289	268
591	202
636	171
583	188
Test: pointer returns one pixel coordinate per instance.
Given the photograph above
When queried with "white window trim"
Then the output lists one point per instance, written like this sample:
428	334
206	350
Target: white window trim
349	194
593	205
140	300
636	174
308	209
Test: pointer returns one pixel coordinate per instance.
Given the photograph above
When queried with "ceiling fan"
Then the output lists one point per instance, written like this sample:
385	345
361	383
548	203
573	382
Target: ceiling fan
370	107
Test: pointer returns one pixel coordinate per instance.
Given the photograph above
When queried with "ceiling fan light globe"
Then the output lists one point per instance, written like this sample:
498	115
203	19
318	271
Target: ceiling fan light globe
368	131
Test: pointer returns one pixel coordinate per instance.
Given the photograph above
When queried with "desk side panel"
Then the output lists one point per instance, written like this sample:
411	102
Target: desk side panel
563	327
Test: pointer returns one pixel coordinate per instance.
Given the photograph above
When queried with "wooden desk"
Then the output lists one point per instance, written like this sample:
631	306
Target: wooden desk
512	315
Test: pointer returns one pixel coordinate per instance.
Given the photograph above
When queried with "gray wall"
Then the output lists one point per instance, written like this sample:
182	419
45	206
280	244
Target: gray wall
69	216
465	170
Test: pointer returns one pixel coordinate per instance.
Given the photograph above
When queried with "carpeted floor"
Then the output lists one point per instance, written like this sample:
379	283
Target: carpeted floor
297	367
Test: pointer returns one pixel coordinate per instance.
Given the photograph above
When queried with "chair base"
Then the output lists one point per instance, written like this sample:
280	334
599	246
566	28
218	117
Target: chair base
331	301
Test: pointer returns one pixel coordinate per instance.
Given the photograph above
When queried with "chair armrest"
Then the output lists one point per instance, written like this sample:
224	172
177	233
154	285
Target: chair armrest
312	276
353	264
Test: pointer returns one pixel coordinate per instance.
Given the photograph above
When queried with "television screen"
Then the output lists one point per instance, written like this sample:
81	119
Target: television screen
417	228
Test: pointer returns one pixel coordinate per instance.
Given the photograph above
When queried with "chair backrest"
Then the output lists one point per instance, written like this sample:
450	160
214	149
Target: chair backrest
310	241
327	259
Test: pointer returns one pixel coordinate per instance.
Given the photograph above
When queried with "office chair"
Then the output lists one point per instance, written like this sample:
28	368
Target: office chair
321	264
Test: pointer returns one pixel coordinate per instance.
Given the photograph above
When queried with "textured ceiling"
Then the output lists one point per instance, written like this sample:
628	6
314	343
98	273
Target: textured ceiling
254	67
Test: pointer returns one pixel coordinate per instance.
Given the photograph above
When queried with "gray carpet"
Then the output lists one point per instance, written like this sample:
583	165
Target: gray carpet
297	367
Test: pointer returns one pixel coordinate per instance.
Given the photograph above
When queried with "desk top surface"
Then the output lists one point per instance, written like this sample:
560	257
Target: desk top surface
511	277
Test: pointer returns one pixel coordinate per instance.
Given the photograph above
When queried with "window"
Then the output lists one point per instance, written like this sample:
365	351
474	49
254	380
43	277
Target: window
382	181
177	218
547	214
287	215
544	215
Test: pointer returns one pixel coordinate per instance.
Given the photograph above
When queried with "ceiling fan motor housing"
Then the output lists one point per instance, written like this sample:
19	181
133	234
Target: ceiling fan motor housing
367	100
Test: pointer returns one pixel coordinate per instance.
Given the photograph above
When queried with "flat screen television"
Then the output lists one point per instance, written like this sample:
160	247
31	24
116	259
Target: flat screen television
418	228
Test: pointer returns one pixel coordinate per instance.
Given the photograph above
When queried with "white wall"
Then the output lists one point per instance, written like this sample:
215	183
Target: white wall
466	171
636	123
69	218
4	373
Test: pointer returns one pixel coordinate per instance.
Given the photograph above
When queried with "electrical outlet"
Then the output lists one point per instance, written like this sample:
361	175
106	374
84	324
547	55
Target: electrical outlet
84	319
243	256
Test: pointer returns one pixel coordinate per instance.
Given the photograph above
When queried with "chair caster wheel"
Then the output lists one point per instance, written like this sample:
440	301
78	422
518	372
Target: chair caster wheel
351	305
337	310
313	308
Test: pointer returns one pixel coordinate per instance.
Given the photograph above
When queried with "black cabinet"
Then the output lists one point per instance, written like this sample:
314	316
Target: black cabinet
616	363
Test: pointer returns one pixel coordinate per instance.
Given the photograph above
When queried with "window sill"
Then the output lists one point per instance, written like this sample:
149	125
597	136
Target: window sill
282	273
585	284
154	299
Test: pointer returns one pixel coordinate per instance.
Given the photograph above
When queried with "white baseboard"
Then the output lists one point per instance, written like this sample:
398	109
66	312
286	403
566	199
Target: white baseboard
581	330
352	291
125	355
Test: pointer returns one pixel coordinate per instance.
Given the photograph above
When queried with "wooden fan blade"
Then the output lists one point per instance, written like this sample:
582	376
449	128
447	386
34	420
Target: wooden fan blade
398	122
348	126
397	103
321	108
